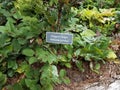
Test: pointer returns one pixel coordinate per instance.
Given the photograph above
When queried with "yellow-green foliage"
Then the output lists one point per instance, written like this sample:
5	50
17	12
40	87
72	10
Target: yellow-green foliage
95	14
30	5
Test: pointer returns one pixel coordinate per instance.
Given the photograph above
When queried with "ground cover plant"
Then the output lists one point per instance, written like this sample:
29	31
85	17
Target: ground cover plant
28	62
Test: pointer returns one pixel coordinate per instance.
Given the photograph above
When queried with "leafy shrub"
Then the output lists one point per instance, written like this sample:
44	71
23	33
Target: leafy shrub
25	53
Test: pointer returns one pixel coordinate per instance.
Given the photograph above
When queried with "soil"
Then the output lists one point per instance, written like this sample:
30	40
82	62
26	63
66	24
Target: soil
109	72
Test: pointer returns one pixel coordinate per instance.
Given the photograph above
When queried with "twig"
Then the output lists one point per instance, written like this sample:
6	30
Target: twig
59	15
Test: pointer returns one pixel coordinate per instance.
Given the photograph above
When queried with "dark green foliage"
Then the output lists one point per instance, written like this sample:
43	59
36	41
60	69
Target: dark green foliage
24	53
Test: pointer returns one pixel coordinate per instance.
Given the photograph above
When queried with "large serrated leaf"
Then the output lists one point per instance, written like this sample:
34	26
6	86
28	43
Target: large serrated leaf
45	56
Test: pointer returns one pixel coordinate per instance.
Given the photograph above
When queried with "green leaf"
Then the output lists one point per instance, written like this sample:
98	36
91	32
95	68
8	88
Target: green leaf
17	86
16	46
10	73
53	1
62	58
69	55
6	50
3	79
48	87
2	29
97	66
45	56
12	64
30	82
63	77
32	60
17	15
28	52
66	80
11	28
5	12
23	67
4	39
62	73
54	71
68	65
88	33
35	87
22	41
49	75
79	65
77	52
111	55
32	73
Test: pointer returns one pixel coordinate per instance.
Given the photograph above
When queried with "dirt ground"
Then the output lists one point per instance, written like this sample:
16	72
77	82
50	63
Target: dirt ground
109	72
